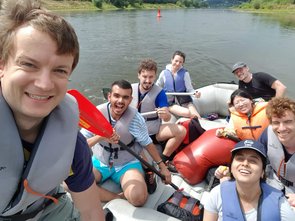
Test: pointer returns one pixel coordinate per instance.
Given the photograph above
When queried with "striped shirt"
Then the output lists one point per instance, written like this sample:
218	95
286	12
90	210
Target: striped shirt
137	128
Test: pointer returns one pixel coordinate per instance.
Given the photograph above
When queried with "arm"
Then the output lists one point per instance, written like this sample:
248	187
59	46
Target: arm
189	86
212	204
279	87
156	157
160	81
93	139
88	203
139	130
209	216
188	83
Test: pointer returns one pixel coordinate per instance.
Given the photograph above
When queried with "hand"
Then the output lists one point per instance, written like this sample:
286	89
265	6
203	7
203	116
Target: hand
197	94
221	172
219	132
163	113
114	139
166	173
291	199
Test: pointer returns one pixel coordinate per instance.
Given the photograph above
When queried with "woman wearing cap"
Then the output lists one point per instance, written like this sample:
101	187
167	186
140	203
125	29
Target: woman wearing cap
248	119
246	196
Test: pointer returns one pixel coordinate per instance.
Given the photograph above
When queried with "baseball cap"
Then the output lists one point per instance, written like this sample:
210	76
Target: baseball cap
250	144
238	65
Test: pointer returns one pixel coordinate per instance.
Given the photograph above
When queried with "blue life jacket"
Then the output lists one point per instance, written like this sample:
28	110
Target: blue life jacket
177	84
268	208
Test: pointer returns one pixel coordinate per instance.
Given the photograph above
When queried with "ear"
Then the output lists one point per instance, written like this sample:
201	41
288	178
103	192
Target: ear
1	69
262	175
109	96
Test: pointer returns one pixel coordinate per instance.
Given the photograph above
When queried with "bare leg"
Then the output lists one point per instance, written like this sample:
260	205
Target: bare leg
193	111
134	187
105	195
174	134
179	111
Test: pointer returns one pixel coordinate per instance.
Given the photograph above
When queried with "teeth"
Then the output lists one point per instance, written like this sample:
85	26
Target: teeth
244	171
38	97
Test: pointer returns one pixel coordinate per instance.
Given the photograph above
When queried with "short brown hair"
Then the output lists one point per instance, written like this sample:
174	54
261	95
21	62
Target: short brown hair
17	13
278	106
148	65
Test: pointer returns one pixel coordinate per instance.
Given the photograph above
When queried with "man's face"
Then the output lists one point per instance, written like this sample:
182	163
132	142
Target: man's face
146	80
242	73
284	128
119	99
34	79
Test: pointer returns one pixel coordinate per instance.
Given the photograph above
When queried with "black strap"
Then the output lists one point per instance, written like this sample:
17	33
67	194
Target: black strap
152	118
112	150
22	217
285	181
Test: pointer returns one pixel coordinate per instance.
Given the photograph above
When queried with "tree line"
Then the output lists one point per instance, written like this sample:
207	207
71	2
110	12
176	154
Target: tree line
138	3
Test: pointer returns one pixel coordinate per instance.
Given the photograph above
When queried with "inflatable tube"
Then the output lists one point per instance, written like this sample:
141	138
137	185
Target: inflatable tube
207	151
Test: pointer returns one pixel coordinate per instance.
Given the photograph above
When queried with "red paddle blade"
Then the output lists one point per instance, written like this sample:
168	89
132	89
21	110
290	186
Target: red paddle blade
90	117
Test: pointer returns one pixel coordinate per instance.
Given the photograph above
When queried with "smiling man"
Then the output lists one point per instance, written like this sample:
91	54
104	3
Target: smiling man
258	85
279	139
40	142
110	161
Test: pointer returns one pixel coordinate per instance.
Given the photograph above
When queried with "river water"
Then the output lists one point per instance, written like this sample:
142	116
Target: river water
112	44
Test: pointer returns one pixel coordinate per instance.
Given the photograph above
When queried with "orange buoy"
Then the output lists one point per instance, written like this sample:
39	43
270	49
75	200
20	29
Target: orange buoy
207	151
159	13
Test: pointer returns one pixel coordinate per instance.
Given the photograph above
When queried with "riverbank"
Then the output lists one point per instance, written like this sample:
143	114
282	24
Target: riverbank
71	5
68	5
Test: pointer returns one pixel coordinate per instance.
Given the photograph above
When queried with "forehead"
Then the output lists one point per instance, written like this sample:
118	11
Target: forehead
288	115
238	98
123	92
178	58
147	73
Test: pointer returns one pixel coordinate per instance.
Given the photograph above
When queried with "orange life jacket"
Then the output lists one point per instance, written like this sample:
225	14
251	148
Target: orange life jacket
253	126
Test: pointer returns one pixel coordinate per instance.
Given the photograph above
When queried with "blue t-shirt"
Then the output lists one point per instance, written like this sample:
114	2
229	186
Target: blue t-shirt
161	100
82	177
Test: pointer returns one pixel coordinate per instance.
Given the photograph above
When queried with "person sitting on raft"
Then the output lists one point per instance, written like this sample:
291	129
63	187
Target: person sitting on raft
177	79
247	119
246	196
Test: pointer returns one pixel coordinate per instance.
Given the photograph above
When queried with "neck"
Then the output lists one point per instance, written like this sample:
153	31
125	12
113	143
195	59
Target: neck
290	147
249	196
28	129
248	78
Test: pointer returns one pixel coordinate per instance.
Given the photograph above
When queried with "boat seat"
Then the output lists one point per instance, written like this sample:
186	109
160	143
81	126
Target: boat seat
214	99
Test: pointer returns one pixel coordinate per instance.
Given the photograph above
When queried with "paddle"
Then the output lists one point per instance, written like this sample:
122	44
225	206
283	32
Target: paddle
94	121
106	90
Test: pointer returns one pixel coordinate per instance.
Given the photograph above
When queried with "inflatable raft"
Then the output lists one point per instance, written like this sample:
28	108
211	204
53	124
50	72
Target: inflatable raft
192	162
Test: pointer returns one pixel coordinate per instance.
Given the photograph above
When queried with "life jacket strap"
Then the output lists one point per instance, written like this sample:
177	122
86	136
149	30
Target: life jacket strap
22	217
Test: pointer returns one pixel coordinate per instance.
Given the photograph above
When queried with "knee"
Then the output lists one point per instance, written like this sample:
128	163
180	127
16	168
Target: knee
137	197
181	131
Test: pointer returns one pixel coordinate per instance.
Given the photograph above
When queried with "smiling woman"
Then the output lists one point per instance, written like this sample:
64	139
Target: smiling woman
233	200
247	120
